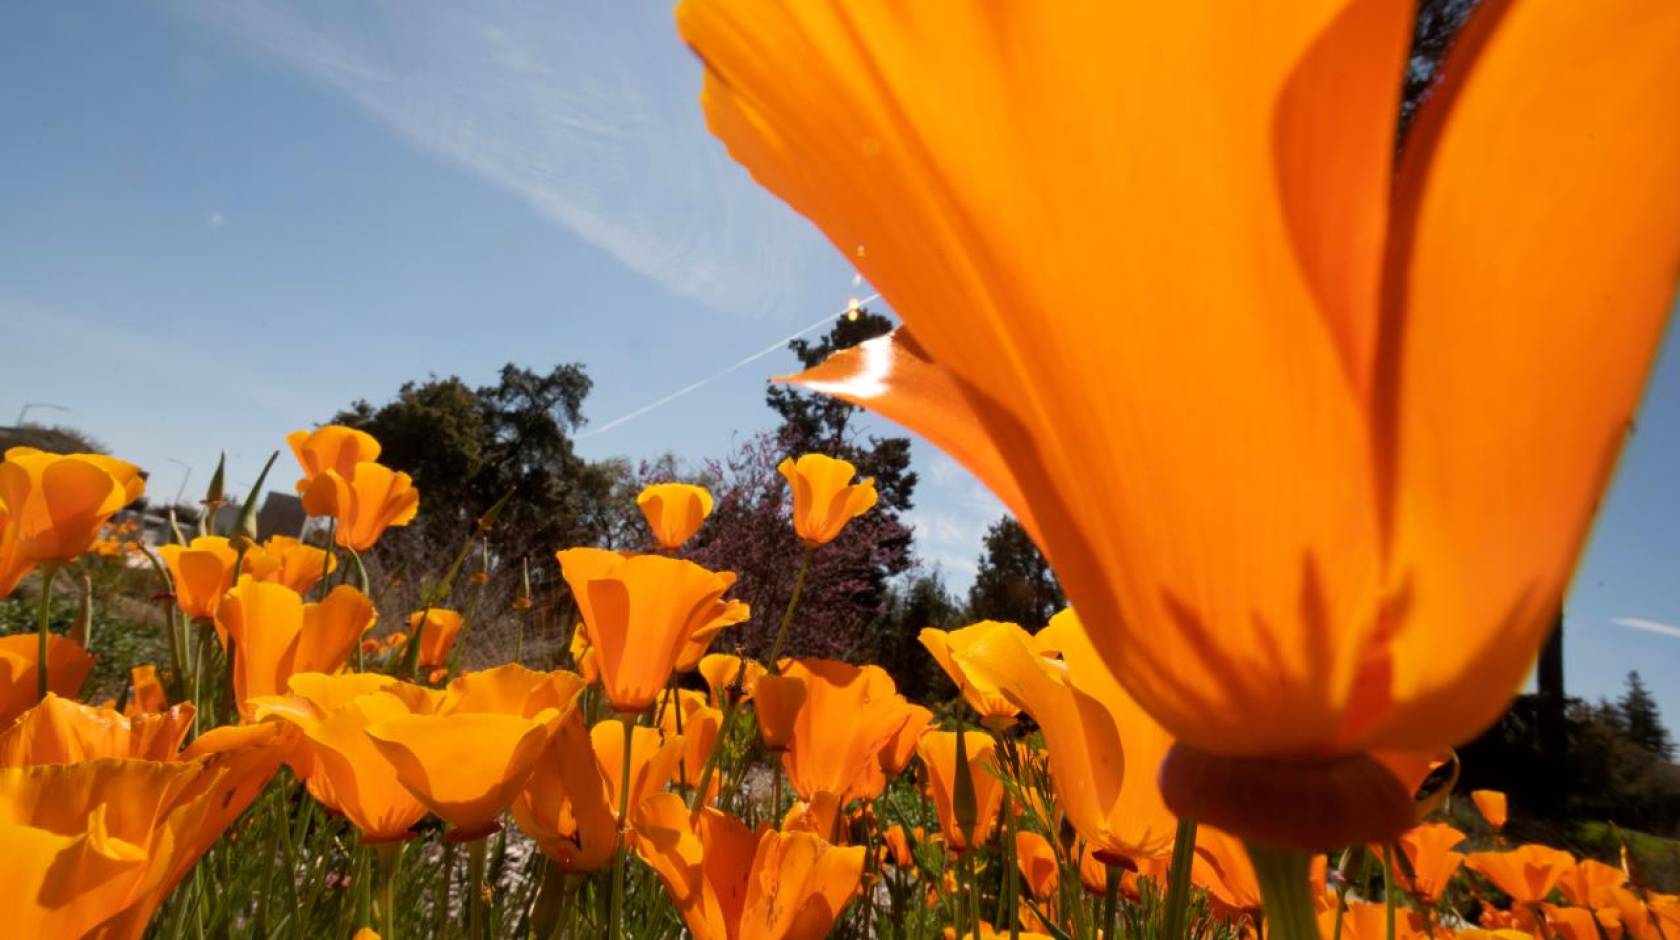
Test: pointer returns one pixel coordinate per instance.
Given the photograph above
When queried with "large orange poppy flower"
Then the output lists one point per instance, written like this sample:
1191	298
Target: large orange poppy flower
1311	432
731	883
274	634
849	714
1105	751
641	613
202	571
57	503
68	666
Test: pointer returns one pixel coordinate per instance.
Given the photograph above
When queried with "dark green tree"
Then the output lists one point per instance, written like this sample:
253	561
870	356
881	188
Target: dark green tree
922	602
1014	582
812	422
1641	721
466	448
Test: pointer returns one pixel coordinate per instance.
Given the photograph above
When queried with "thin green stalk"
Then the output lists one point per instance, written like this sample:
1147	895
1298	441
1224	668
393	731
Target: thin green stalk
1006	897
440	919
49	571
1111	897
1285	890
362	884
712	759
787	615
478	926
968	912
390	860
615	923
1388	892
329	550
1178	880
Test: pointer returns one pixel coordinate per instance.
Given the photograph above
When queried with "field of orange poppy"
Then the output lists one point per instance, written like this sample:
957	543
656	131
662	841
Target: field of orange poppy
1312	441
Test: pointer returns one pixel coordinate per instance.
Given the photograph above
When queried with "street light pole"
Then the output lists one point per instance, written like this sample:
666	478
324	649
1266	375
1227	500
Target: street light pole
24	411
181	491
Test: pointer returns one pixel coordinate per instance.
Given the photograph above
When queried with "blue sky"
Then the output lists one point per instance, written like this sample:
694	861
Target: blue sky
220	221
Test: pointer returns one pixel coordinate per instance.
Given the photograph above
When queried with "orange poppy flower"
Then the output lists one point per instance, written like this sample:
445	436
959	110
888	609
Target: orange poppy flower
350	774
1429	849
274	634
674	511
1365	920
1222	866
698	730
584	658
330	447
895	756
564	806
441	628
850	713
366	502
57	503
467	752
311	697
1301	469
101	831
721	670
14	565
1492	805
1037	861
202	571
62	731
1574	923
67	668
824	496
694	650
897	844
288	561
236	765
1527	873
79	839
776	705
820	816
147	696
653	759
995	709
1591	883
730	883
1105	751
938	751
640	612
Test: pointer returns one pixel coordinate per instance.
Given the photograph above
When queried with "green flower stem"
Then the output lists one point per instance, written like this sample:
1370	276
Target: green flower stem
787	615
1388	892
615	928
1285	890
478	927
49	571
446	877
390	860
1178	880
1111	897
1006	897
724	725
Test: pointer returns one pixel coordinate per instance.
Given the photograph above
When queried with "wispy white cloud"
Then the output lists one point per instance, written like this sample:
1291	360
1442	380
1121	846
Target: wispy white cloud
588	112
215	219
950	519
1649	626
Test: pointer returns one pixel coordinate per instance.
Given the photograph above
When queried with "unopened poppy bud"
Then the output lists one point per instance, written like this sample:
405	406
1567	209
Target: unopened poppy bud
963	804
215	495
244	533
